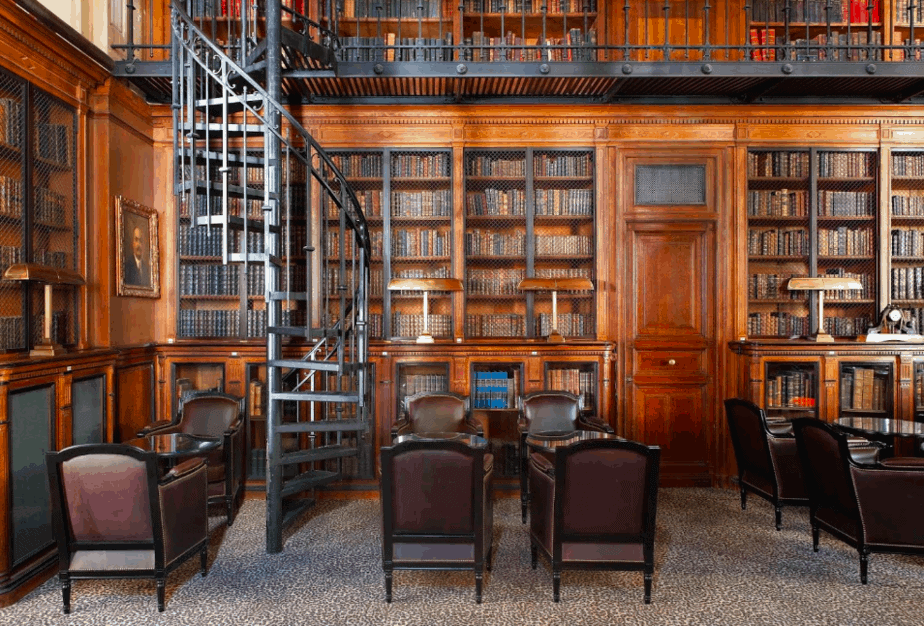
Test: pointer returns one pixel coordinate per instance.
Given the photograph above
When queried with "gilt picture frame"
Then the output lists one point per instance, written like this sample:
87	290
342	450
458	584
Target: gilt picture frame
137	250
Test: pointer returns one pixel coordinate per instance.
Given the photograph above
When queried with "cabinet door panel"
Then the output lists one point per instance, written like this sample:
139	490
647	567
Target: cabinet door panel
674	417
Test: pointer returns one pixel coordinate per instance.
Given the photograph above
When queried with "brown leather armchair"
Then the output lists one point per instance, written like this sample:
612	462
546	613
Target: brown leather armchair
436	508
872	505
549	411
114	517
214	414
436	412
768	464
594	507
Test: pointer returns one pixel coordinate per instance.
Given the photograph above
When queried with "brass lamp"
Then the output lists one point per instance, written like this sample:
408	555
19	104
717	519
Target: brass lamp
822	284
555	285
426	285
51	276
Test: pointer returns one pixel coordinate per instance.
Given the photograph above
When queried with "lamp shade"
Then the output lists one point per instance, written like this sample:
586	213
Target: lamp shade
39	273
555	284
425	284
823	282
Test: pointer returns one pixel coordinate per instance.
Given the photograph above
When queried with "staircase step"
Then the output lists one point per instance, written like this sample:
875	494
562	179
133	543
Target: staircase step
295	296
316	396
299	364
215	129
237	223
235	103
322	453
235	191
289	331
215	157
253	257
308	480
324	426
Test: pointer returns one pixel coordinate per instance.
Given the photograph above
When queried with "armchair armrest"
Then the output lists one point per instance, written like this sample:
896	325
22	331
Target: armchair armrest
592	423
183	469
184	504
780	428
399	427
542	463
159	426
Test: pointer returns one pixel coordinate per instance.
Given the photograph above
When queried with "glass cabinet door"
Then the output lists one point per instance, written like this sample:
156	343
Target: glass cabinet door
419	377
865	389
791	390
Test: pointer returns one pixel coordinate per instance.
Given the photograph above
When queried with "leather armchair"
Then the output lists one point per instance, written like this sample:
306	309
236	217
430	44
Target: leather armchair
593	507
214	414
436	508
549	411
114	517
768	464
436	412
872	505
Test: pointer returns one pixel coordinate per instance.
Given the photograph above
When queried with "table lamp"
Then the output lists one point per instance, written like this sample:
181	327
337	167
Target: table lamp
555	285
51	276
426	285
822	284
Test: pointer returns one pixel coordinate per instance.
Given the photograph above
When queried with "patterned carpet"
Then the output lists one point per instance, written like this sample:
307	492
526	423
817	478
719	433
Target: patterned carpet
715	565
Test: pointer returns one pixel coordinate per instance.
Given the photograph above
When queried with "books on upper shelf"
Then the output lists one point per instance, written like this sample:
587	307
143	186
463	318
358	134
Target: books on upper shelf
495	389
816	11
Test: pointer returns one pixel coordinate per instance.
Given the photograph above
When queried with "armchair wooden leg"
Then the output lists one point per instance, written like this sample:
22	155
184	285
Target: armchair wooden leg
487	563
814	537
864	565
779	517
230	504
744	497
648	578
534	555
161	592
479	579
204	560
556	585
388	580
66	593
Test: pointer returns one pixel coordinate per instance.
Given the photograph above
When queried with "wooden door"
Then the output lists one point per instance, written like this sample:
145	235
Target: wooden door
669	329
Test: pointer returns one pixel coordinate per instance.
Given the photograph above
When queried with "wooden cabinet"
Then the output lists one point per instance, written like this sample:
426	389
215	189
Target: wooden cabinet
829	380
44	405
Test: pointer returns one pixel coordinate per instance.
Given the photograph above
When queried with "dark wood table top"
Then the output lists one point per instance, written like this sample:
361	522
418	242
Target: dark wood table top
471	440
882	426
551	439
175	445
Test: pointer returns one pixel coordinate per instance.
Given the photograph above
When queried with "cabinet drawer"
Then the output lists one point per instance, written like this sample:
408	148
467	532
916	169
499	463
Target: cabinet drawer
663	362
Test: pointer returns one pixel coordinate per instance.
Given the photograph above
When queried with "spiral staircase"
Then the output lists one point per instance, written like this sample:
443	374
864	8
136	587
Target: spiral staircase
237	147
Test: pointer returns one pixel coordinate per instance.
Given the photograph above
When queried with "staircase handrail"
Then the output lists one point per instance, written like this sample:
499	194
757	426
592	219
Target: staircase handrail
354	215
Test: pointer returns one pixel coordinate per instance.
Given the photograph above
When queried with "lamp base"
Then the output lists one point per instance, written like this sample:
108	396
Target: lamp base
821	337
555	337
425	338
47	350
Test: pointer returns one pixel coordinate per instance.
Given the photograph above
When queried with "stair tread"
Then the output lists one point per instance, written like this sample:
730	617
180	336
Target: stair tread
327	426
319	396
307	480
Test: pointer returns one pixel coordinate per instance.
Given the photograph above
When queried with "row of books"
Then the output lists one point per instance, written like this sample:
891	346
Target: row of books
332	244
416	272
11	333
912	49
51	207
908	203
777	203
853	46
496	202
359	165
53	258
376	278
557	165
563	272
495	389
53	143
552	7
421	203
486	165
564	201
198	280
211	204
295	241
501	281
422	242
390	8
907	242
771	287
370	201
815	11
846	326
564	244
61	328
10	197
488	243
421	165
908	164
846	203
778	242
580	382
907	283
577	45
905	14
862	390
10	255
412	324
846	164
495	325
789	390
207	323
917	322
778	163
568	324
777	323
865	293
11	122
845	241
389	48
411	384
206	240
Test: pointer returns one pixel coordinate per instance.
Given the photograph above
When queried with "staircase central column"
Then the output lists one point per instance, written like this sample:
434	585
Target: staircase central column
273	313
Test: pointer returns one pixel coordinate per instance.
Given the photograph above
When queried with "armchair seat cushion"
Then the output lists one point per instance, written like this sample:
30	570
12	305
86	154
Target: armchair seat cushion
903	461
112	560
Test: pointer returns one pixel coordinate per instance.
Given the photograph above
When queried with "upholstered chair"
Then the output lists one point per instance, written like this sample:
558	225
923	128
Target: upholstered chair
436	412
765	452
220	415
872	505
593	507
436	508
114	516
545	411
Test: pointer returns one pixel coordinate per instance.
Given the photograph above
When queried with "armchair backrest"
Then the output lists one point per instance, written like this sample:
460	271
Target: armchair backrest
607	487
104	494
437	411
551	410
209	413
747	427
825	456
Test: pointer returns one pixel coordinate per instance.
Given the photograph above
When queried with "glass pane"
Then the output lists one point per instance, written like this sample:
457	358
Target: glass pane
88	406
12	224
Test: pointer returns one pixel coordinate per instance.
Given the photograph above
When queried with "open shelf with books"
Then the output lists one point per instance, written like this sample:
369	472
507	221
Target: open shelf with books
496	388
528	213
577	377
906	234
415	377
791	389
907	27
866	389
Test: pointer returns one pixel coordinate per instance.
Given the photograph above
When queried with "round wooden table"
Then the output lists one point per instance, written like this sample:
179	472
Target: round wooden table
173	447
902	435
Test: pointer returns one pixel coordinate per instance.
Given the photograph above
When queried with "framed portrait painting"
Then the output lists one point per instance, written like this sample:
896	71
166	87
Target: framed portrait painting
137	250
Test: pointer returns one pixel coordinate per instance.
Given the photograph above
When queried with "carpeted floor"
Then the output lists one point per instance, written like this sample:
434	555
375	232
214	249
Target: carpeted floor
715	565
